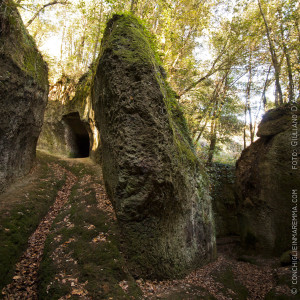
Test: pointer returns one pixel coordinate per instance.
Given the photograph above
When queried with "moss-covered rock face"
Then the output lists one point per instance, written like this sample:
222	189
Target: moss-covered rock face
69	128
265	180
157	186
23	95
223	199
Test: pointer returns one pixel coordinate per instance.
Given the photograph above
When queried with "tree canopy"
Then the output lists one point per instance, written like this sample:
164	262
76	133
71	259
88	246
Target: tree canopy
228	61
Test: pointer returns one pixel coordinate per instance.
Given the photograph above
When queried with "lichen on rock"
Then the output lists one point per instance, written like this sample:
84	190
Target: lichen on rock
265	180
155	181
23	94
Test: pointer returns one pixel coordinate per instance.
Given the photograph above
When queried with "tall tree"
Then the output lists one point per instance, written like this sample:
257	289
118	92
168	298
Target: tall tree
273	56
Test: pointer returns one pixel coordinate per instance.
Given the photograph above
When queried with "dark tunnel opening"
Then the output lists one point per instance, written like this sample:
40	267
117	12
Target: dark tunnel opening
77	139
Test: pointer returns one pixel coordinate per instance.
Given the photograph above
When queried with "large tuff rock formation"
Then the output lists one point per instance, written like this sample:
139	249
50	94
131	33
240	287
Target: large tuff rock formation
23	95
69	128
222	178
265	180
152	176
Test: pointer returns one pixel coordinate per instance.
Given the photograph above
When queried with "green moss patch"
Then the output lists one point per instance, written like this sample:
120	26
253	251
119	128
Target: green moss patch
22	208
128	38
149	165
19	46
226	277
81	255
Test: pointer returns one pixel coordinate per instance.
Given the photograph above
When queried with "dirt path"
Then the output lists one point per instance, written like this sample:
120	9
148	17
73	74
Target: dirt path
226	278
24	285
82	257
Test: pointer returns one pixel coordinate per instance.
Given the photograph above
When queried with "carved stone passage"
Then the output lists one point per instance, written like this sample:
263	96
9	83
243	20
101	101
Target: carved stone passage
265	180
69	127
153	178
23	95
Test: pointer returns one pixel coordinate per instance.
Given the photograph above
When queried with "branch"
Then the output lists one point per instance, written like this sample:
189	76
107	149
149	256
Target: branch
237	79
273	54
264	98
180	52
209	73
133	5
43	7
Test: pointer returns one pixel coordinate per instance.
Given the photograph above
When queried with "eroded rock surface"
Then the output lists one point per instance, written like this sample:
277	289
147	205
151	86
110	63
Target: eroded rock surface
69	128
224	203
23	95
265	181
157	185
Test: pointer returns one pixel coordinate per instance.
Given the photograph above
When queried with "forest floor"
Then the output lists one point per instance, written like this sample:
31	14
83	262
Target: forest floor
59	240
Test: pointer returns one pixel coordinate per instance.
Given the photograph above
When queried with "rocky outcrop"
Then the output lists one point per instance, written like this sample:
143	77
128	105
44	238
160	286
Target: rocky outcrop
69	128
222	178
157	185
265	181
23	95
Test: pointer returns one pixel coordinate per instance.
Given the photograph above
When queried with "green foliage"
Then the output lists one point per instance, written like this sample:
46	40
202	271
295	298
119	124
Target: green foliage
215	103
191	48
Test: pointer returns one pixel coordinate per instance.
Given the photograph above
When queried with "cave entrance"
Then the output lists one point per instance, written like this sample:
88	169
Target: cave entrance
77	136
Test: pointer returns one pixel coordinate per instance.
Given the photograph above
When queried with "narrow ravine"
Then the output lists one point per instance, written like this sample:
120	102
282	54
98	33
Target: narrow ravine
24	284
76	251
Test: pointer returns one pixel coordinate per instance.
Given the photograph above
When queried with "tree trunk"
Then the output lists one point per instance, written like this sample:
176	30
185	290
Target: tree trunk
214	101
133	5
276	97
264	99
251	127
213	141
298	30
248	97
201	132
273	56
245	125
213	69
98	33
215	118
288	62
80	50
181	50
62	48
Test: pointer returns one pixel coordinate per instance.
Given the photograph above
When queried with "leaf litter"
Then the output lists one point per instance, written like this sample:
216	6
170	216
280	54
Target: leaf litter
24	285
257	279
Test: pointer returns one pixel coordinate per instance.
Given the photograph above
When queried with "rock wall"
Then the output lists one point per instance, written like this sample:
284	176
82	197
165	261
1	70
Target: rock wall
157	185
222	179
69	126
264	183
23	95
